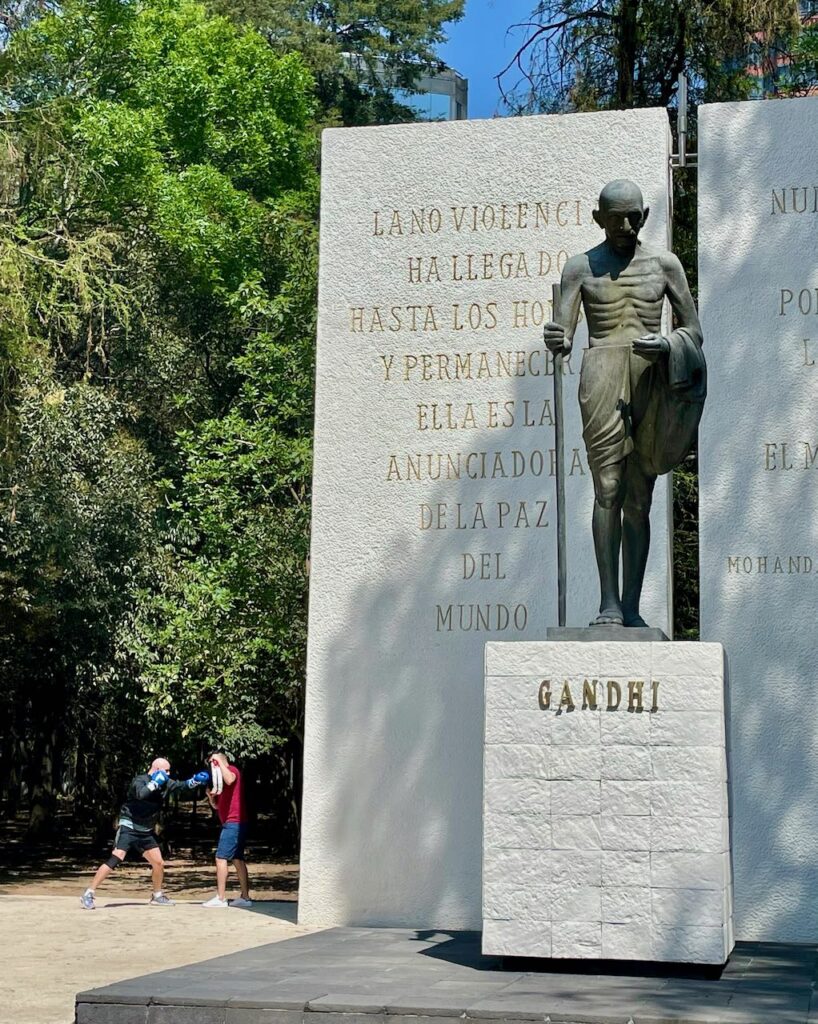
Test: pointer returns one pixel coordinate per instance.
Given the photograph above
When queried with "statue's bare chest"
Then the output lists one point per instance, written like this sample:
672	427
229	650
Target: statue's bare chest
642	284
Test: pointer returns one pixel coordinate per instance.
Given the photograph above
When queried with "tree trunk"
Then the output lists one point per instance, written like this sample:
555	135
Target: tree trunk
43	794
626	62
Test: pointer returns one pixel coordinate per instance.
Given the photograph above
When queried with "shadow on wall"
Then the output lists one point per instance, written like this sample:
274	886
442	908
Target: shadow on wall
766	622
398	844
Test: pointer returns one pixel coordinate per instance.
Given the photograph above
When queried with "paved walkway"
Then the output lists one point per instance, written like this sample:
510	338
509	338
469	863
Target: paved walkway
52	948
387	976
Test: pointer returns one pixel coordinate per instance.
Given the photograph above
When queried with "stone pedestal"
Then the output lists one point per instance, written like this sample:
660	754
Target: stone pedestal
605	818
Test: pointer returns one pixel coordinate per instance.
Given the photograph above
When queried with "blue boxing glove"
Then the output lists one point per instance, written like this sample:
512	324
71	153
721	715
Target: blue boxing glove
158	779
199	779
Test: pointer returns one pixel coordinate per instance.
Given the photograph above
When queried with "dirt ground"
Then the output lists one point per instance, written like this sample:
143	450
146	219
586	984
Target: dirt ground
54	949
184	879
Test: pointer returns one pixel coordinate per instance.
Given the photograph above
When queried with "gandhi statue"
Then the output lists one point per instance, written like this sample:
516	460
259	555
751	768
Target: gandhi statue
641	393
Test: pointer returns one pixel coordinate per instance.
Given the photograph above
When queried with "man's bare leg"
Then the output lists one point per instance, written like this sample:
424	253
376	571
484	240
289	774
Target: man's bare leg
244	878
635	537
221	877
103	871
154	858
609	488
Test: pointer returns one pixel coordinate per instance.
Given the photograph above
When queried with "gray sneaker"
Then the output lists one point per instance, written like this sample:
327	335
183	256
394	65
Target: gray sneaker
161	901
87	901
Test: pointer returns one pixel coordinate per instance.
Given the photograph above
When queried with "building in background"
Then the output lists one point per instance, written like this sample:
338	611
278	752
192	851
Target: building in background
774	71
441	95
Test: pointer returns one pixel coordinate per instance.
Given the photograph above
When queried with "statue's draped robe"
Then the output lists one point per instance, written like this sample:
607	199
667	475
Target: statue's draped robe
629	404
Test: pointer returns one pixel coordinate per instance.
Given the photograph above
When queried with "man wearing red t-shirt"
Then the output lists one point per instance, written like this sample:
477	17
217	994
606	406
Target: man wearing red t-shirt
229	805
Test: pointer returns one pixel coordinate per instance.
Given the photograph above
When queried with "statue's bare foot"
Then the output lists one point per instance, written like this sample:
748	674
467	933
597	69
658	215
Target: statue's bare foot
635	620
608	617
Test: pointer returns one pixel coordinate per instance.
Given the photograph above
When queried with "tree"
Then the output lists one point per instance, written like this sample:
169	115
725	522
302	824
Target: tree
360	51
802	79
601	54
158	194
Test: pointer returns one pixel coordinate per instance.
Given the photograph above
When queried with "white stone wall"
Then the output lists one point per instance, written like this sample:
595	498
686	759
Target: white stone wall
606	829
392	785
758	288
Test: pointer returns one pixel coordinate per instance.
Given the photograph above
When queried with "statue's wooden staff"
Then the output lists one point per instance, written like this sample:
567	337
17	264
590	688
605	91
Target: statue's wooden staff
559	445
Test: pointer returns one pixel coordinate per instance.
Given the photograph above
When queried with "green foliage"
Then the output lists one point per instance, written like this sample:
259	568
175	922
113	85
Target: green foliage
158	199
358	50
221	634
686	551
803	71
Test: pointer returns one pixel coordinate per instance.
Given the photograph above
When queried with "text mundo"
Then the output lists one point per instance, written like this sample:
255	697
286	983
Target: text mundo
594	692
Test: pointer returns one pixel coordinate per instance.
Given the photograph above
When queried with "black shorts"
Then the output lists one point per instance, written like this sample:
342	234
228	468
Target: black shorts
139	842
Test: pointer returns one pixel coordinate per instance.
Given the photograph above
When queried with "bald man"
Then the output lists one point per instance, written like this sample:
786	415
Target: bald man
137	821
641	393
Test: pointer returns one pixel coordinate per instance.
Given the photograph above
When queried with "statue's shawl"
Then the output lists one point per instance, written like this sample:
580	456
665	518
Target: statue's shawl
671	421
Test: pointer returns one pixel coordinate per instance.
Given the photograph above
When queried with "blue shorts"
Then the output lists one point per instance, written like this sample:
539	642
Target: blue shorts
231	841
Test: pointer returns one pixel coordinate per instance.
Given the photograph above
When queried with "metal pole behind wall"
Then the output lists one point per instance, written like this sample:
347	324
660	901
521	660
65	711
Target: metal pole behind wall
682	120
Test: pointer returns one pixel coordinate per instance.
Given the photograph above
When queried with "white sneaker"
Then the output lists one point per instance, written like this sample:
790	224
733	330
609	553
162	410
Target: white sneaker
241	902
216	902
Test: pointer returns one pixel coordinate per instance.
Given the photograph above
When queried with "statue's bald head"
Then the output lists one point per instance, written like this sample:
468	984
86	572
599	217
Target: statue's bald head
621	214
619	192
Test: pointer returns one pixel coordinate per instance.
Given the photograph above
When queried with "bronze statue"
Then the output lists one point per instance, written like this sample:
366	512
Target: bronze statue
641	394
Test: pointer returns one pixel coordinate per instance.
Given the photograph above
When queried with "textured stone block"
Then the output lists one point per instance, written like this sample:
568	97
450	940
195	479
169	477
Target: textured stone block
630	905
623	661
571	797
503	901
683	693
625	832
678	908
572	902
692	660
530	658
577	940
629	727
573	763
517	868
621	762
688	798
530	797
626	869
700	835
506	725
575	868
625	797
516	761
511	693
689	870
626	942
517	831
510	938
579	728
696	945
686	764
580	832
687	729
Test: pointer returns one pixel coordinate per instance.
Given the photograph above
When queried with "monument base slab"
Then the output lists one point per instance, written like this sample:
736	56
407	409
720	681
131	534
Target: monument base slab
597	634
606	829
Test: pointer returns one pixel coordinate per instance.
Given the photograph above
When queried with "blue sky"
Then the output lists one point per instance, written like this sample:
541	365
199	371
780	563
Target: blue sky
479	48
